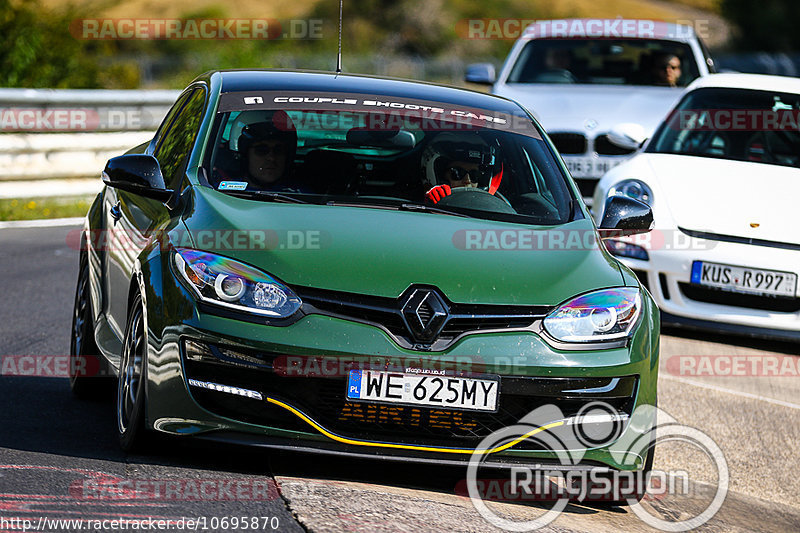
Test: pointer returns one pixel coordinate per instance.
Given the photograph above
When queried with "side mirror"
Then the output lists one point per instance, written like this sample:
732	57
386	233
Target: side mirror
625	216
628	135
137	173
482	73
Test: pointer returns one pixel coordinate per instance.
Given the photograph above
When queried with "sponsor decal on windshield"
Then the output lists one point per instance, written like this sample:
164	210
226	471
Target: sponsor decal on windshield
395	112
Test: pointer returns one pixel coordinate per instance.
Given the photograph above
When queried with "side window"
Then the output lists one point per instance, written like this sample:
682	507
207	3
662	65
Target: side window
169	118
173	148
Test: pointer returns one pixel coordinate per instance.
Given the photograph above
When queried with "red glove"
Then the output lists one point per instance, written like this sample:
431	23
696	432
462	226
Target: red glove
437	193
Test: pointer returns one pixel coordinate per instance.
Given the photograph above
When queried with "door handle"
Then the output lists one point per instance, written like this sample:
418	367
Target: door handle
116	213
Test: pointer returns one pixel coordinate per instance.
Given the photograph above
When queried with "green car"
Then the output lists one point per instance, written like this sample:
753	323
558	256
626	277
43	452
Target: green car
358	266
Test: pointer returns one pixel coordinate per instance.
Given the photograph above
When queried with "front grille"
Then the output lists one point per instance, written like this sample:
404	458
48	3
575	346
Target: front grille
734	299
425	313
605	147
569	143
323	399
386	313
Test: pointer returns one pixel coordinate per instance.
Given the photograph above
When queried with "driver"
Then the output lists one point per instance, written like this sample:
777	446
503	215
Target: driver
267	150
459	160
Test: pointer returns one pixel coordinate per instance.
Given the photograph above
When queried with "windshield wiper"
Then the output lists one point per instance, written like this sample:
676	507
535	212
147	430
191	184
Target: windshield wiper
268	195
401	207
335	203
430	209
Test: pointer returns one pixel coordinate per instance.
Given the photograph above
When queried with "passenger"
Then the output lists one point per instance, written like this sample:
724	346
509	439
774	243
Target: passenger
666	70
267	150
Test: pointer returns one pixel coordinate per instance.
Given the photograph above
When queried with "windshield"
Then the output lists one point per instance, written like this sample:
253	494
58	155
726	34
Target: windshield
605	62
353	149
736	124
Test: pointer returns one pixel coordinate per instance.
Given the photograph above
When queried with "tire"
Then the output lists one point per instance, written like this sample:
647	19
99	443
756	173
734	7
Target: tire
87	368
131	401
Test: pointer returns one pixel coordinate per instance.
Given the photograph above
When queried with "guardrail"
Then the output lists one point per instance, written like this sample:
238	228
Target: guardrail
69	133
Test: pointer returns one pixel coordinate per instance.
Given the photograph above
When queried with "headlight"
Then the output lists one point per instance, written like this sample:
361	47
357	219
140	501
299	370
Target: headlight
222	281
626	249
636	189
597	316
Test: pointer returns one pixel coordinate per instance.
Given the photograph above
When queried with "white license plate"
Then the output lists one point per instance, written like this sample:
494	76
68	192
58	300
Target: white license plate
744	279
469	394
590	167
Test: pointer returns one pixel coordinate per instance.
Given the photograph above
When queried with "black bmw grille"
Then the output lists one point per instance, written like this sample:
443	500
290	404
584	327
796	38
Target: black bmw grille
605	147
586	186
569	143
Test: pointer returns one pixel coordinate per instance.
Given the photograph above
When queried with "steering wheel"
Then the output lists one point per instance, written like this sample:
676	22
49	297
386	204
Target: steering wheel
478	199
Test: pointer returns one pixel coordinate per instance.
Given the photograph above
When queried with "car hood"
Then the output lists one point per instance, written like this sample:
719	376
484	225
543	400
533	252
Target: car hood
727	197
563	107
382	252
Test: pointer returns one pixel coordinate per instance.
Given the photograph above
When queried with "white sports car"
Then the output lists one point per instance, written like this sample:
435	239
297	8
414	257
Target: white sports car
722	175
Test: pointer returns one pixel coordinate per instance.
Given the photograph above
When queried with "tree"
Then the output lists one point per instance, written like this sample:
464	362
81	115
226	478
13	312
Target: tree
770	25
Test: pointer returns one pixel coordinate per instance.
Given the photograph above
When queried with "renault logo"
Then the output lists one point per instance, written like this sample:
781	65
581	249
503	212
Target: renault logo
424	313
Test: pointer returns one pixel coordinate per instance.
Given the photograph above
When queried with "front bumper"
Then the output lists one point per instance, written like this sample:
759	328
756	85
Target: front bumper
306	410
667	275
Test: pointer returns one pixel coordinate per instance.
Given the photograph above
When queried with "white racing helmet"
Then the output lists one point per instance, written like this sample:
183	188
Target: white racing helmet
447	148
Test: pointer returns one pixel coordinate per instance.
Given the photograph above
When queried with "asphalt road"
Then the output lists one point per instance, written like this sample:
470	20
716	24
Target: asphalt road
59	458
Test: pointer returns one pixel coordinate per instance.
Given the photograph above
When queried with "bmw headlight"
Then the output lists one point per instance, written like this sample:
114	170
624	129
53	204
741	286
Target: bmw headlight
602	315
222	281
636	189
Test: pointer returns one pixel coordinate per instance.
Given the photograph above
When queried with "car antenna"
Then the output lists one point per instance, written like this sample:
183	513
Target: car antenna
339	55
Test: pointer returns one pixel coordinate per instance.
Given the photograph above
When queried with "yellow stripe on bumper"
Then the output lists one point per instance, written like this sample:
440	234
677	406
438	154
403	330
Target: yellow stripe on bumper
355	442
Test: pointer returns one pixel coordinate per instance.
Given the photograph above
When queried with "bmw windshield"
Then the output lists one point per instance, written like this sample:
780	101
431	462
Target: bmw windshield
386	152
604	62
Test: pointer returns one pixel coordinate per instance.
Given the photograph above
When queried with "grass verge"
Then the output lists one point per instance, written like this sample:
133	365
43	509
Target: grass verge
38	208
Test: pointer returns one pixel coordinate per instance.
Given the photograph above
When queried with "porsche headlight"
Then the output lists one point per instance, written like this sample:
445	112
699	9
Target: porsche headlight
602	315
636	189
222	281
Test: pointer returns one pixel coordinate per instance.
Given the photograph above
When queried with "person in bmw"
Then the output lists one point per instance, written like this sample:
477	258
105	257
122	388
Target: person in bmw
667	70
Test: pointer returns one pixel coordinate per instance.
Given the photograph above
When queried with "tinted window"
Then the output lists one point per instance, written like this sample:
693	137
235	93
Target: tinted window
503	171
738	124
174	147
171	114
601	61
